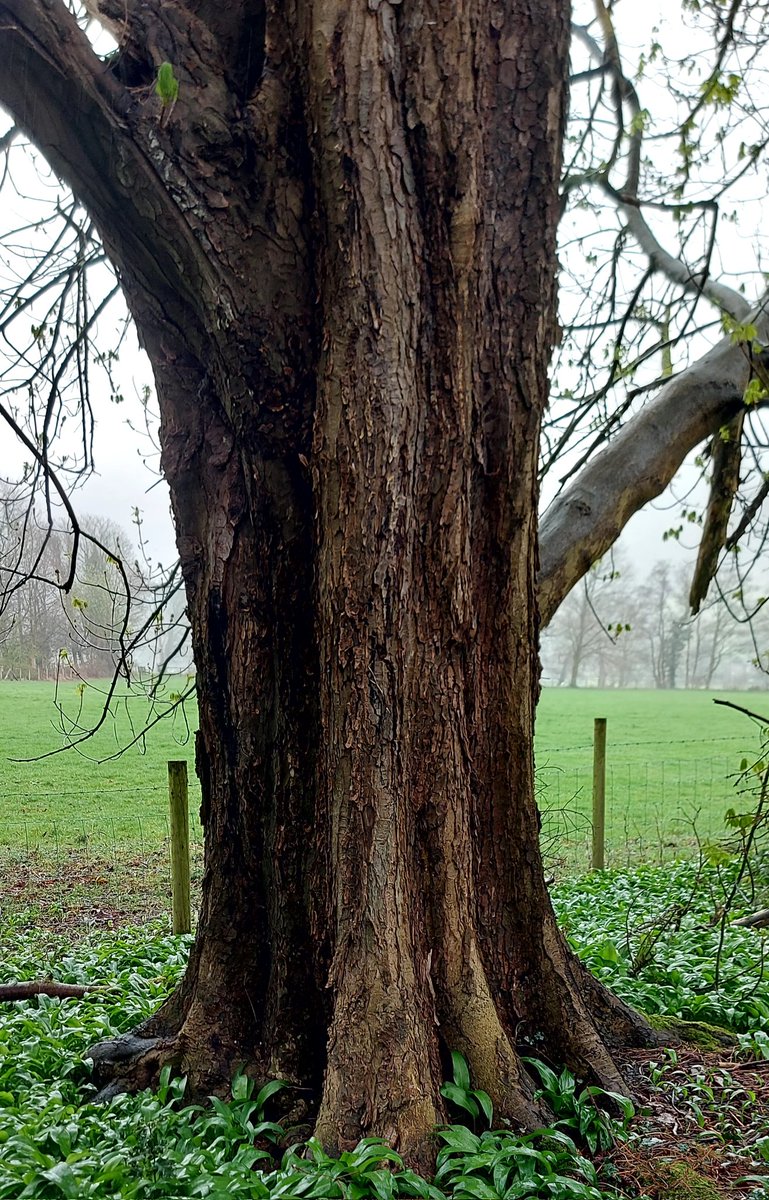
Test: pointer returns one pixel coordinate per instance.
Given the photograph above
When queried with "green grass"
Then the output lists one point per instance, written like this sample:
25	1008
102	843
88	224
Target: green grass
670	755
74	801
672	758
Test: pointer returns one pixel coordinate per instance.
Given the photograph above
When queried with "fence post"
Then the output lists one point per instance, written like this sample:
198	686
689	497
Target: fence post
180	846
599	793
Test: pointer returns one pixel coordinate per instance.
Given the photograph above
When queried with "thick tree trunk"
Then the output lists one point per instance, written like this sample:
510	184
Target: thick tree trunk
348	301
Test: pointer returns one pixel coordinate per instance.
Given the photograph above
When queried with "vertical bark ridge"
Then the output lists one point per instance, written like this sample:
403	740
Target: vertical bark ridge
368	440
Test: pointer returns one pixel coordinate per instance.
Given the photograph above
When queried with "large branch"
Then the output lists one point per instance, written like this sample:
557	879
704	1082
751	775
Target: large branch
86	123
726	460
588	517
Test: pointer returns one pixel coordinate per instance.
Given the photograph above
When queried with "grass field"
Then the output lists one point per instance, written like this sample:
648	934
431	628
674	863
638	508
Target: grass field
85	797
84	842
672	759
670	756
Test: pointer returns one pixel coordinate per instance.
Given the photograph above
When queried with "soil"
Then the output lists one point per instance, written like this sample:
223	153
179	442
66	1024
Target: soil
699	1130
75	894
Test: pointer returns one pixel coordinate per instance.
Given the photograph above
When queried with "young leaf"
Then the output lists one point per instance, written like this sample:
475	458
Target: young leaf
166	85
461	1071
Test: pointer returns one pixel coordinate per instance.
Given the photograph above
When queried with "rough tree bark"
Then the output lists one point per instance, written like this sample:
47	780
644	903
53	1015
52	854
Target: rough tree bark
338	248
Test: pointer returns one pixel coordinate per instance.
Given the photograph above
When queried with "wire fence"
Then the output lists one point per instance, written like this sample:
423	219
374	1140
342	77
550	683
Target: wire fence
107	838
664	799
111	821
94	857
657	808
106	850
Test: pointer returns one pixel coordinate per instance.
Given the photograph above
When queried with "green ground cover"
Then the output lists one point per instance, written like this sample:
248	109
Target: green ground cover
701	1116
672	757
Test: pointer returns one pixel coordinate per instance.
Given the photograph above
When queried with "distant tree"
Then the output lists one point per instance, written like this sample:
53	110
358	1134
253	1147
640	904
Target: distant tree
580	643
667	627
45	630
614	630
32	621
714	636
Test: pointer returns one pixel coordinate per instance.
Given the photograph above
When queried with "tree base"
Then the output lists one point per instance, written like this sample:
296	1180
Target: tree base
359	1097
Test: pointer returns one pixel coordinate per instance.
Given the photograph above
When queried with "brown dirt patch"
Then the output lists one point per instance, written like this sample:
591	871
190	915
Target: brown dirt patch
699	1129
76	893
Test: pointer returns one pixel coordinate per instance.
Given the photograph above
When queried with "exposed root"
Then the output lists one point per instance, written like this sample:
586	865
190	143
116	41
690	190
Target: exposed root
619	1024
471	1025
129	1063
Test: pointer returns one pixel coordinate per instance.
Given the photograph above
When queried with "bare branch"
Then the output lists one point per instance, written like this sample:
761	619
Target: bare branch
748	516
50	475
747	711
627	198
724	298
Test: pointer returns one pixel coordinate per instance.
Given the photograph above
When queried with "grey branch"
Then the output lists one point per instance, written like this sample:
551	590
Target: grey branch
724	298
588	516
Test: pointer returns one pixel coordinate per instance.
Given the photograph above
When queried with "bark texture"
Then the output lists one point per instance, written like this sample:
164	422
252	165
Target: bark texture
339	251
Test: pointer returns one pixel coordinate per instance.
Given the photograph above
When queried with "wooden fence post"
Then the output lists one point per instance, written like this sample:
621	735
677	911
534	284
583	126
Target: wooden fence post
599	793
180	846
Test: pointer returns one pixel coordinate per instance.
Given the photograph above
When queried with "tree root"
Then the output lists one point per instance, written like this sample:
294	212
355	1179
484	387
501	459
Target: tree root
129	1063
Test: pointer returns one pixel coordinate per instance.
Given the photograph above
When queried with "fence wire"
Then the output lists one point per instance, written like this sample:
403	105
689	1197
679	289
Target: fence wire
111	842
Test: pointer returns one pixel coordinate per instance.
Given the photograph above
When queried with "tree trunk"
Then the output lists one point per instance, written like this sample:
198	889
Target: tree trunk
345	282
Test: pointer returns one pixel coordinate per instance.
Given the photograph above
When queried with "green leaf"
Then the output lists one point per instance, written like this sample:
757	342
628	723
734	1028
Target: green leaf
459	1137
461	1070
548	1077
469	1185
369	1151
484	1099
462	1098
166	85
270	1089
242	1087
567	1082
65	1179
754	393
